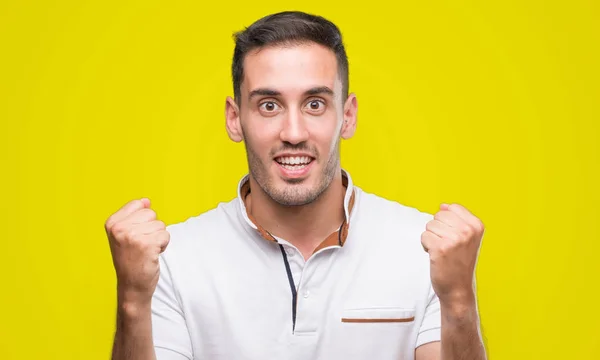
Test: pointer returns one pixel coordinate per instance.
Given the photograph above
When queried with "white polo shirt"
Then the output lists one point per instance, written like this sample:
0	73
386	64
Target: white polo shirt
225	289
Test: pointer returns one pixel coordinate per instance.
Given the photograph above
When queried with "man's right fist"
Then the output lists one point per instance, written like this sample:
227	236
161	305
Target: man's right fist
136	240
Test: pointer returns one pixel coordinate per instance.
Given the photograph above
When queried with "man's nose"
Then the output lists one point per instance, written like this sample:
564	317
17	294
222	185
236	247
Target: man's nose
294	128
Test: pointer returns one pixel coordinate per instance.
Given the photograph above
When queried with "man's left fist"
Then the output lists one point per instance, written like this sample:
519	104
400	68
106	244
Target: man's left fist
452	239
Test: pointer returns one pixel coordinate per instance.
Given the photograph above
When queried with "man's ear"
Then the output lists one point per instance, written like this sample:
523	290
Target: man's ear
232	120
350	116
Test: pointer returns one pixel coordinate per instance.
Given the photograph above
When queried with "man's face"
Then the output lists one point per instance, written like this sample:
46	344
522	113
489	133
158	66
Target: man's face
291	119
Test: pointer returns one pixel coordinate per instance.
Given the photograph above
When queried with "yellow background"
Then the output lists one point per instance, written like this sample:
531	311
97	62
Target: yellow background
490	104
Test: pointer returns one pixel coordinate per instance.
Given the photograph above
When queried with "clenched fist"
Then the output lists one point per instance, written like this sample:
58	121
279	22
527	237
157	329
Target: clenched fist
452	239
136	240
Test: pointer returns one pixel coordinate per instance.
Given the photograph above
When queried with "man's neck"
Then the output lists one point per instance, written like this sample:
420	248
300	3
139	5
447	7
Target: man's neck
304	226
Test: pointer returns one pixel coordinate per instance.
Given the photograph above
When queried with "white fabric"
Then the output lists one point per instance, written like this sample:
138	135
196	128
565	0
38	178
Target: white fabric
223	291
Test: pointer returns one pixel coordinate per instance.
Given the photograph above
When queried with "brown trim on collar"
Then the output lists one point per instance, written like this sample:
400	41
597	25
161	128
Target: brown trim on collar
338	237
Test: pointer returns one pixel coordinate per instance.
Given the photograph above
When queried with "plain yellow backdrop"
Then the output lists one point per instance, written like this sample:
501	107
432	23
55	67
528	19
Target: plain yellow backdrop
494	105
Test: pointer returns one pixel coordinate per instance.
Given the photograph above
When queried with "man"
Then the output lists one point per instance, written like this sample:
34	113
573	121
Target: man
302	264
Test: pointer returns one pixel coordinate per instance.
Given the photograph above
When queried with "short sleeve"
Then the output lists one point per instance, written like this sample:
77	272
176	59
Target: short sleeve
169	330
431	326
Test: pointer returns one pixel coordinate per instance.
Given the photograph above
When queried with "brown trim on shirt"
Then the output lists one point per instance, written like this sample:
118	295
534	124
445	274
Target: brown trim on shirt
396	320
338	237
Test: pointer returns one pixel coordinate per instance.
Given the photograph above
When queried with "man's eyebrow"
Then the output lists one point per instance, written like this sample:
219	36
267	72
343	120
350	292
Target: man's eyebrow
263	92
270	92
319	90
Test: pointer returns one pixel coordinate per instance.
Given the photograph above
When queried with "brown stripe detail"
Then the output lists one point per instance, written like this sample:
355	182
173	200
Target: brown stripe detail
344	233
332	240
245	190
264	233
351	202
402	320
346	225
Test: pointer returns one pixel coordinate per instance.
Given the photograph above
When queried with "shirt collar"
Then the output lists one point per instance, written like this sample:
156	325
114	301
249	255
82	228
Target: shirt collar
336	238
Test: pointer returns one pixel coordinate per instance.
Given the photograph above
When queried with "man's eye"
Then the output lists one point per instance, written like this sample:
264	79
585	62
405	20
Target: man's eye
268	106
315	105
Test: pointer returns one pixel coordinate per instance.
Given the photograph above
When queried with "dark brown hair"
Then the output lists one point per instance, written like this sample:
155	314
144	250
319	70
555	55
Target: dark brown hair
288	28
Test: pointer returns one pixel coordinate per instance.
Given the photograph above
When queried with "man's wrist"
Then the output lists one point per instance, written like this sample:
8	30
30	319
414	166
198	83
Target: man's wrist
134	310
460	308
132	305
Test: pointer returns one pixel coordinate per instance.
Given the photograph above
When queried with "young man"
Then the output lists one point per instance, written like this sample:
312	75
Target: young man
303	264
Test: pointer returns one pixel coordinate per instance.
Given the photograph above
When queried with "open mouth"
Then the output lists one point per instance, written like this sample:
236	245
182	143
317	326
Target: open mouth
294	163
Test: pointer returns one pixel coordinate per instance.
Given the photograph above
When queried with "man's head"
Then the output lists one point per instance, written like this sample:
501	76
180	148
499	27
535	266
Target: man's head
291	107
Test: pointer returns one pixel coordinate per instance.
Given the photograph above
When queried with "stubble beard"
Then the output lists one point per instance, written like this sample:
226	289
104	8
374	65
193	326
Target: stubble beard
294	193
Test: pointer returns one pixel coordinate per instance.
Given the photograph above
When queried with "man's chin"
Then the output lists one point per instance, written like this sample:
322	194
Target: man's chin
293	193
292	202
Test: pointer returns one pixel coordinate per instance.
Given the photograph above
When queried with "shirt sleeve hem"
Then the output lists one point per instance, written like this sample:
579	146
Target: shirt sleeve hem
170	349
428	336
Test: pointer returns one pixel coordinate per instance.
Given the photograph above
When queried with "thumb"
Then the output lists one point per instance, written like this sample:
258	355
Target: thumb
146	202
444	206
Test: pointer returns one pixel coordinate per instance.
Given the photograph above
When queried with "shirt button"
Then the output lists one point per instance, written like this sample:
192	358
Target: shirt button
306	294
290	251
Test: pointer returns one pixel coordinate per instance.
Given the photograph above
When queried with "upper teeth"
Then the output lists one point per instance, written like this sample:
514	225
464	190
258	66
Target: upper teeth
294	160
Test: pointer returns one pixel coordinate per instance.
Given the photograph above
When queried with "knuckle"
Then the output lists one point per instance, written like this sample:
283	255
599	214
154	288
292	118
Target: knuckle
466	229
447	237
480	226
455	206
108	224
434	255
130	208
118	229
442	250
149	214
135	239
427	235
130	236
429	225
453	237
162	239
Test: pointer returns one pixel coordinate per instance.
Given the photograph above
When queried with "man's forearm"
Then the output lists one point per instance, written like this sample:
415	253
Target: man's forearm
461	335
133	338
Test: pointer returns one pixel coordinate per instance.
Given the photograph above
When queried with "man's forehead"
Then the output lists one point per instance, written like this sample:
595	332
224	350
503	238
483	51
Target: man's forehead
293	67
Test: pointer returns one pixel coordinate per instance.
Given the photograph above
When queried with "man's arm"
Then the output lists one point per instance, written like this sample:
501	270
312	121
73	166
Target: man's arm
136	239
461	336
152	330
452	239
133	338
